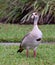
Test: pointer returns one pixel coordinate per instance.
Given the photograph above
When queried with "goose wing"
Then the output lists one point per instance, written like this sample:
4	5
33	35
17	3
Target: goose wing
25	36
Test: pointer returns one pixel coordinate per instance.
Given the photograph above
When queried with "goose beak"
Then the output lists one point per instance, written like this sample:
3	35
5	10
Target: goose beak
32	17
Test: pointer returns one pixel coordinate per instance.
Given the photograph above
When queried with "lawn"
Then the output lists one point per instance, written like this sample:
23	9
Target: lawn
45	56
15	32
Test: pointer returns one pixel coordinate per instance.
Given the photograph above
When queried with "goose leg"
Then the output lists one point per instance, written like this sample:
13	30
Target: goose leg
27	51
35	52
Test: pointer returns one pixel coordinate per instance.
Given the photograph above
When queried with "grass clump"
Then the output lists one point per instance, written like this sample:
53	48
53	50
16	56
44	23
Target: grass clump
45	56
15	32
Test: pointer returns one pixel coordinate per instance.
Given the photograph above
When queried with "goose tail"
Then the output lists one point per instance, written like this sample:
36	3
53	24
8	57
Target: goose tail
20	49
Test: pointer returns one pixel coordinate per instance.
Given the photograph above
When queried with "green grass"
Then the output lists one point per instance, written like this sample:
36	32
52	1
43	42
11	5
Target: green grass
45	56
15	32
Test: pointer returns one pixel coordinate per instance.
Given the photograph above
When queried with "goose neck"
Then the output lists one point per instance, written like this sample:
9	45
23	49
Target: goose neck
35	21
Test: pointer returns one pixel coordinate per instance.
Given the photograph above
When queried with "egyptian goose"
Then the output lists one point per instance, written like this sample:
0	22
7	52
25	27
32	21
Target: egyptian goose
33	38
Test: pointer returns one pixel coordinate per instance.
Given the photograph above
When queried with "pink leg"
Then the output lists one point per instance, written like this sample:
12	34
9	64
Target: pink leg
27	52
34	53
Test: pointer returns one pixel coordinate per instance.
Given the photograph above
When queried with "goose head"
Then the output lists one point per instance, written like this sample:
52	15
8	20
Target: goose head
35	17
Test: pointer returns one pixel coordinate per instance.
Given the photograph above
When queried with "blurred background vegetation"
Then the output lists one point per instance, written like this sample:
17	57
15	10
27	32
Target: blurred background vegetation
19	11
